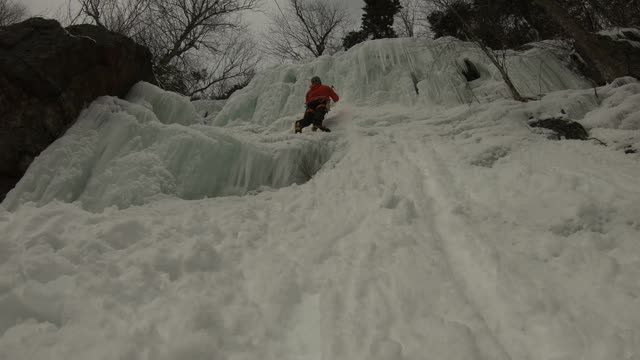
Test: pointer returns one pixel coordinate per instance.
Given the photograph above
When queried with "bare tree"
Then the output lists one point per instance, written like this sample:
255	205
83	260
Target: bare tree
180	26
406	19
233	63
121	16
197	45
499	61
306	28
411	20
11	12
596	15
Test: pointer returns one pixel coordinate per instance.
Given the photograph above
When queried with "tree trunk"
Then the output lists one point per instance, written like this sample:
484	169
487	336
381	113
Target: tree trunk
490	54
607	58
501	66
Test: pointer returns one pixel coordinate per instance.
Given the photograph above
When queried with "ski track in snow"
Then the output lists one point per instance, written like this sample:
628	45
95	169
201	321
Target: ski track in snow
431	233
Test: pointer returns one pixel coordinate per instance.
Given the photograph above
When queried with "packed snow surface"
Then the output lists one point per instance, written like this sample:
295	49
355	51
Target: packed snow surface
440	226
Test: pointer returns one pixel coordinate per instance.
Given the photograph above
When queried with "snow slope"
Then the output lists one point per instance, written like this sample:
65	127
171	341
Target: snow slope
436	228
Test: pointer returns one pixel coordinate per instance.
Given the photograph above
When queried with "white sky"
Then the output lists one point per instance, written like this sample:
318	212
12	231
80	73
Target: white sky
42	7
256	19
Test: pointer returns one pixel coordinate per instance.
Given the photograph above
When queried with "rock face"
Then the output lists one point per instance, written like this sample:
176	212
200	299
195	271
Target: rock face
562	128
48	74
623	58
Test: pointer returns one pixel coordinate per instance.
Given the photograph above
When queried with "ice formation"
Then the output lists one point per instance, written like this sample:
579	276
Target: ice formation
208	109
134	151
408	71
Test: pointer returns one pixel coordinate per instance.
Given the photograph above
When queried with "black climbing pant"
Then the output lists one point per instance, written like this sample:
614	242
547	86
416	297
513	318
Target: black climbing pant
314	117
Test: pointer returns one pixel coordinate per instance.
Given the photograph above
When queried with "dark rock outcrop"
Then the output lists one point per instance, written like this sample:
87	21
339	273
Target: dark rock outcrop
606	59
623	58
48	74
562	128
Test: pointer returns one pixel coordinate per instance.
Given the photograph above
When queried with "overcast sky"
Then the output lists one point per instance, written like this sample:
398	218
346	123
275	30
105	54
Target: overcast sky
256	19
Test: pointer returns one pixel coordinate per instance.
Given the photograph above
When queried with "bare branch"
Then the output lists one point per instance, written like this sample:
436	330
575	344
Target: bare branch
499	62
306	28
233	60
11	12
185	38
406	18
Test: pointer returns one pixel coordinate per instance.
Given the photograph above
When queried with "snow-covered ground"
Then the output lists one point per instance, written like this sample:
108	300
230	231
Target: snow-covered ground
439	226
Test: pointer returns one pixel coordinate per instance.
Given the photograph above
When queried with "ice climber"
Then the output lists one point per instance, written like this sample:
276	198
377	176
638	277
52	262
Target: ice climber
318	102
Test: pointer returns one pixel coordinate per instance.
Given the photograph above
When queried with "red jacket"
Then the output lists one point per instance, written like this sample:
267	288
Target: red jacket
318	90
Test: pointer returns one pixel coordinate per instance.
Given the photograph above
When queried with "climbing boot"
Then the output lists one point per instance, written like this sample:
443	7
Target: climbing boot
298	126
